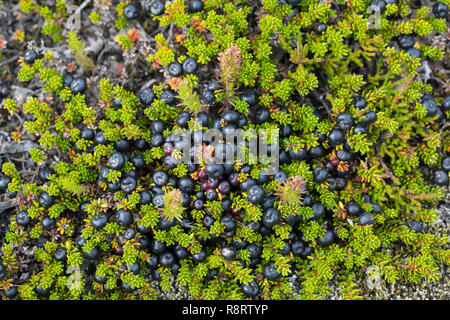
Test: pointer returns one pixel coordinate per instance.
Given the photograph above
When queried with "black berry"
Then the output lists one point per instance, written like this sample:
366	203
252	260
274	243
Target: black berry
320	174
78	85
157	7
344	121
440	10
270	272
45	200
22	218
271	217
445	163
175	69
146	96
359	102
228	253
336	137
328	238
366	219
60	254
131	11
441	177
197	6
116	161
30	56
251	289
99	220
405	41
124	218
190	65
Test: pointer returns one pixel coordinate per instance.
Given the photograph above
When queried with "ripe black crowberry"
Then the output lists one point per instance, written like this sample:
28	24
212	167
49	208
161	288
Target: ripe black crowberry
359	102
405	41
175	69
256	194
103	173
48	223
167	259
271	217
445	163
250	97
116	161
319	210
197	6
157	247
413	52
297	247
262	115
60	254
167	96
270	271
366	219
123	217
352	208
429	103
160	178
204	118
344	121
369	117
190	65
441	177
321	27
146	96
157	7
22	218
440	10
214	170
200	256
316	152
128	184
446	103
131	11
93	254
336	137
229	223
228	253
99	220
30	56
320	174
231	116
251	289
78	85
67	80
45	200
208	96
328	238
381	4
414	226
4	181
183	119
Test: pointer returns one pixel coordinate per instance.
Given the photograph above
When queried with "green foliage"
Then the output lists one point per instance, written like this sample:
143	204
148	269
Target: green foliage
298	73
189	98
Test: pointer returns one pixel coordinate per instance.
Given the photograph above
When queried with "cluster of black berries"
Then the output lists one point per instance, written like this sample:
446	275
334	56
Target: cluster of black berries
439	9
217	181
332	161
133	11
